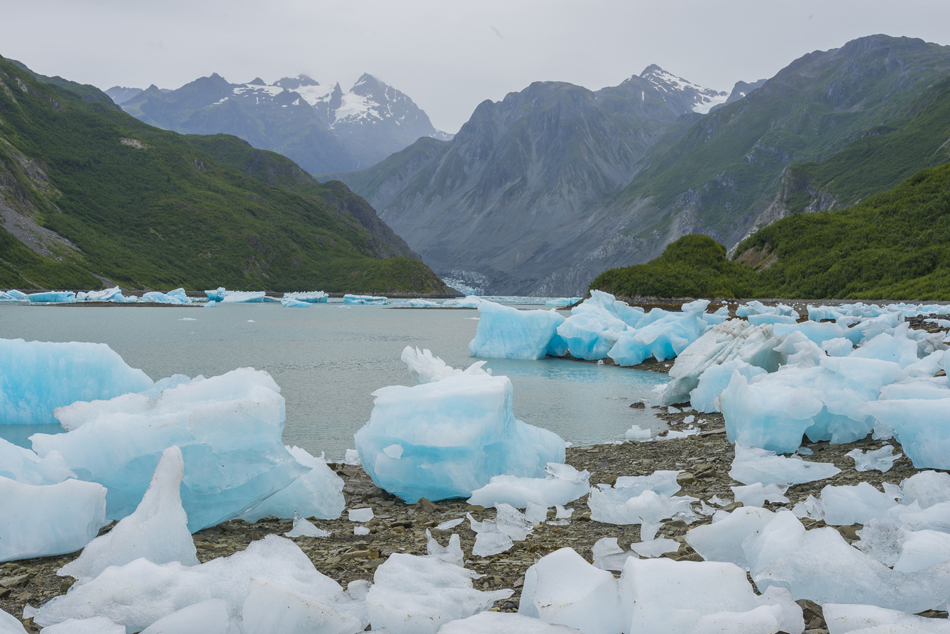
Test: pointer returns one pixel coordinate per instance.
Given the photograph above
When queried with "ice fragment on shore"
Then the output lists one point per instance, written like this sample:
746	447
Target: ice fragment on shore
449	524
608	555
360	515
722	540
417	595
274	608
636	433
45	520
655	547
562	588
845	618
157	530
508	333
305	528
921	425
562	484
752	465
22	465
93	625
757	494
503	623
317	493
452	553
228	428
10	624
36	377
456	433
877	460
498	535
206	617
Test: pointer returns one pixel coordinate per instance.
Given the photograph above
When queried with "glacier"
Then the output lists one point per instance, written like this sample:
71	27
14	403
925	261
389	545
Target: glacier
447	437
36	377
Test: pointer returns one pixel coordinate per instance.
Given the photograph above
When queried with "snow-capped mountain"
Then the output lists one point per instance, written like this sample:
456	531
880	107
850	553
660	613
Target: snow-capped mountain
317	125
693	96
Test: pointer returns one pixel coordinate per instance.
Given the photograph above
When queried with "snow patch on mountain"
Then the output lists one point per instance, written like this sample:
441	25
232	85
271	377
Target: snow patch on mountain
704	99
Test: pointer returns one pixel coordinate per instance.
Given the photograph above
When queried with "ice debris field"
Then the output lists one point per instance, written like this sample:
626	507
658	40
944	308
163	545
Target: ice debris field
164	459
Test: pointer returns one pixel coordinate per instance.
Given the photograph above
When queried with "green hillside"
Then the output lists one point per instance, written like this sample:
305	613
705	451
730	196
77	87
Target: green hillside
143	207
896	245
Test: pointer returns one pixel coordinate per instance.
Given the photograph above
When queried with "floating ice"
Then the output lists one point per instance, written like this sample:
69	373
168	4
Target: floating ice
562	301
662	339
503	623
311	297
360	515
608	555
52	297
878	459
352	457
921	425
217	295
508	333
417	595
37	377
53	519
722	540
317	493
141	592
113	294
844	618
428	368
757	494
289	302
207	617
364	299
176	296
469	301
683	597
562	484
456	434
157	530
562	588
594	326
305	528
636	433
228	428
752	465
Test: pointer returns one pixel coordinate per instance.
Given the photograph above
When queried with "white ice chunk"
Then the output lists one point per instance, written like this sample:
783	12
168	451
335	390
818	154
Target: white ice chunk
305	528
655	547
360	515
157	530
452	553
508	333
352	457
498	535
206	617
843	618
846	505
36	377
636	433
921	425
608	555
722	540
228	428
503	623
456	433
10	624
752	465
45	520
273	608
93	625
562	588
926	488
881	541
417	595
317	493
449	524
921	549
878	459
427	368
22	465
757	494
562	484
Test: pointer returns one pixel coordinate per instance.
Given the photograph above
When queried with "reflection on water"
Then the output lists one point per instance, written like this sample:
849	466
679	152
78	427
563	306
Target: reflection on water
329	358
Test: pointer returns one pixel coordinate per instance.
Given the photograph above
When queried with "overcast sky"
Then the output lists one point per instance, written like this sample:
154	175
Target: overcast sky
447	55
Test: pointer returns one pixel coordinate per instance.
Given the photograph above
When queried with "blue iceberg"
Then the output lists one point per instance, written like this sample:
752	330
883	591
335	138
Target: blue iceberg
228	428
508	333
448	437
243	297
53	297
311	297
36	377
290	302
365	299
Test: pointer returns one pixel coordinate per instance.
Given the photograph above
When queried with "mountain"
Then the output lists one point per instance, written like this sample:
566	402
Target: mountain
496	206
539	193
90	195
895	245
319	126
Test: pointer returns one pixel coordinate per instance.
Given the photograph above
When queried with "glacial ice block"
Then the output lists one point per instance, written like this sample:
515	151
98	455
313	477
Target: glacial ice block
207	617
562	484
53	297
22	465
243	297
662	339
311	297
594	326
317	493
273	608
722	540
503	623
45	520
10	624
454	435
228	428
921	425
36	377
365	299
289	302
563	589
752	465
140	593
417	595
157	530
504	332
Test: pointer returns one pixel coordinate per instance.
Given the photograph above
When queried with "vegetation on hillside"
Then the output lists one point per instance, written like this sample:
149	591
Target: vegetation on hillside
150	208
896	245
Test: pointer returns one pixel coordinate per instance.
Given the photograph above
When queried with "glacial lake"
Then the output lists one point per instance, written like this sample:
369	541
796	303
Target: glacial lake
329	358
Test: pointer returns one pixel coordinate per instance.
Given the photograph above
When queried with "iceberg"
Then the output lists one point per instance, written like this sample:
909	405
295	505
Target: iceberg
562	301
662	339
113	294
595	325
311	297
469	301
52	297
36	377
448	437
18	296
217	295
563	589
157	530
417	595
365	299
141	592
562	484
504	332
228	428
52	519
289	302
243	297
176	296
317	493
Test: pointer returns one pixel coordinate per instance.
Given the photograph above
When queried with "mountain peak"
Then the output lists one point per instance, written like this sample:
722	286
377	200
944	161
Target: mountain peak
293	83
257	81
652	69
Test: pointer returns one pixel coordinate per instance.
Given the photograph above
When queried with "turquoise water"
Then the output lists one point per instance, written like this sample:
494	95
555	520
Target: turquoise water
329	358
